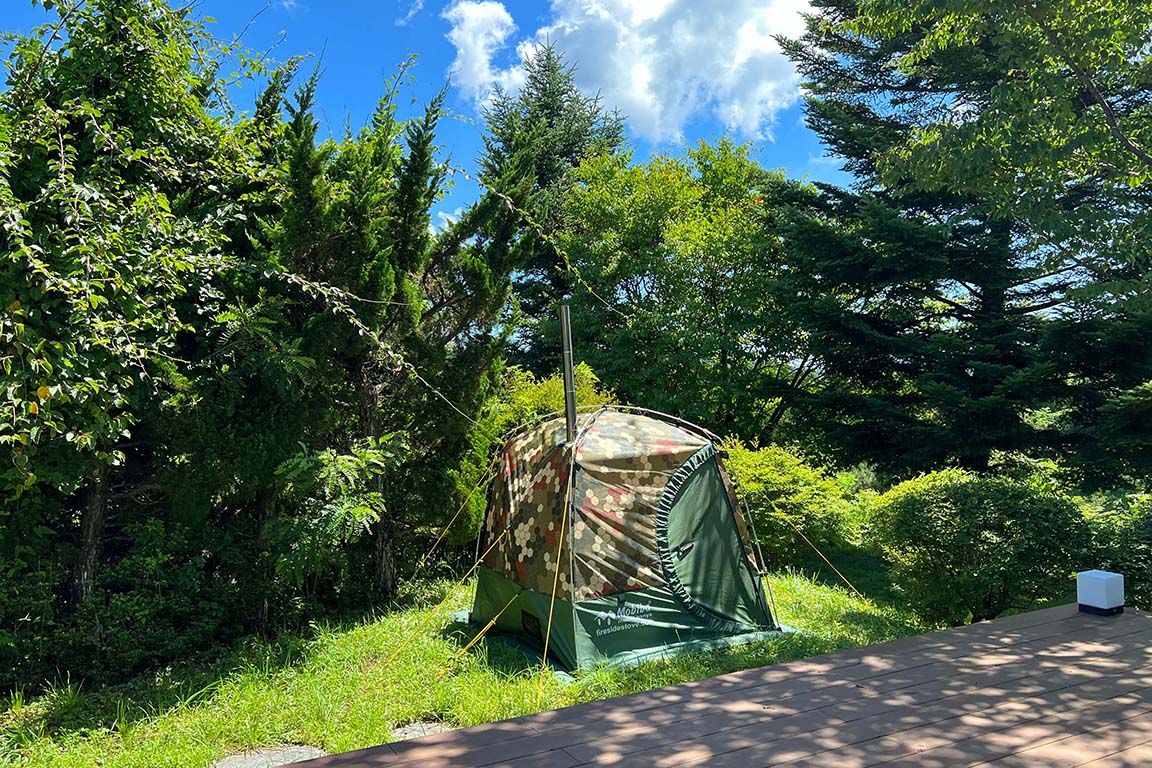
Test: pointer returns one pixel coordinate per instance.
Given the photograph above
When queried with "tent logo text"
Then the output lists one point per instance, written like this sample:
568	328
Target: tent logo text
623	617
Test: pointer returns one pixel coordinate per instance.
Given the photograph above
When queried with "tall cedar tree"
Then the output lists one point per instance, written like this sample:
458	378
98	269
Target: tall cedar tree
1057	134
358	217
935	355
555	126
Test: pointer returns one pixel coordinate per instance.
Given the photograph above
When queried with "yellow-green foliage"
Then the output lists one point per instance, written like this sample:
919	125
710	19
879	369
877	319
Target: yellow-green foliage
524	396
783	493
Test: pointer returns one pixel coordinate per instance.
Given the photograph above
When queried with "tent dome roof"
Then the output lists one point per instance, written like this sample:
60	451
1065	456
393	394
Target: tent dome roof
617	437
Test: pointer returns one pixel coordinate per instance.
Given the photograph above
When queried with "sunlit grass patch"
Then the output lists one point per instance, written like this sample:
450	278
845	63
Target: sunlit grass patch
342	689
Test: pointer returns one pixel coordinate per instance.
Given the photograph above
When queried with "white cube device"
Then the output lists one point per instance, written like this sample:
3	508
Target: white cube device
1100	592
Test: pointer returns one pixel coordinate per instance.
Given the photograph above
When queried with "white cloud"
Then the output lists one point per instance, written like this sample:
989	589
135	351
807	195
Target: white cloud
826	159
663	63
415	8
480	29
445	219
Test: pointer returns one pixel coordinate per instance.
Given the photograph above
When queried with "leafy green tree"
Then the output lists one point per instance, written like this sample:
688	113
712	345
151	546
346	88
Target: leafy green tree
107	146
554	127
356	217
1058	135
686	310
939	356
228	346
1038	112
1100	413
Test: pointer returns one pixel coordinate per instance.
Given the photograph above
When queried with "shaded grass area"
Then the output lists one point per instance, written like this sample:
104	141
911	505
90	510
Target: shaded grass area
865	570
340	690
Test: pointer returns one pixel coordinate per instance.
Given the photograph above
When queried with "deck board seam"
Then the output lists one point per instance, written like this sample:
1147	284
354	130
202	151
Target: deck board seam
979	685
765	689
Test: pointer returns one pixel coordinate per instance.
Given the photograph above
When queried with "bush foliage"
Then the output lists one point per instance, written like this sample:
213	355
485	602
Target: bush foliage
783	494
1122	535
967	548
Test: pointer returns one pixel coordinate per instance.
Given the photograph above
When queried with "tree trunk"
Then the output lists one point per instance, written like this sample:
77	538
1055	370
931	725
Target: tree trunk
266	510
384	573
92	524
384	578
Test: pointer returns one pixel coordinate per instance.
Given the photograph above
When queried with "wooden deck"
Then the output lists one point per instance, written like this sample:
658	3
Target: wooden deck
1048	688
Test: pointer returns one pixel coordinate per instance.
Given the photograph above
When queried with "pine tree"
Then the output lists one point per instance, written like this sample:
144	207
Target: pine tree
934	356
554	127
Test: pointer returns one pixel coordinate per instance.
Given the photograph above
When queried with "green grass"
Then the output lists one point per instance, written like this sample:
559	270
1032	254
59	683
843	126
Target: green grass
339	691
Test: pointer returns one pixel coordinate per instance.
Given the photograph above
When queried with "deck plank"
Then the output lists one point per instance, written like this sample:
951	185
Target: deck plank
985	635
1002	693
1139	756
1083	747
1062	703
884	696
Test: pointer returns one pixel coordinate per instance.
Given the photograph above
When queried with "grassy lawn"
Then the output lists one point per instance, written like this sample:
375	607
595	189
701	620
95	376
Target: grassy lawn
338	691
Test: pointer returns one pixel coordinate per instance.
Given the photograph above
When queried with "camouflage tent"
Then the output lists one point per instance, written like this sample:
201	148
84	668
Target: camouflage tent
649	556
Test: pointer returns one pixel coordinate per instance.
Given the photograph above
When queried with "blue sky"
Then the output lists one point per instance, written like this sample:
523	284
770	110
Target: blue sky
679	70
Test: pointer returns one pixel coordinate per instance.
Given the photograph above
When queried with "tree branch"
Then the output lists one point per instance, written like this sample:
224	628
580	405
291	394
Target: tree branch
56	29
1037	307
1090	85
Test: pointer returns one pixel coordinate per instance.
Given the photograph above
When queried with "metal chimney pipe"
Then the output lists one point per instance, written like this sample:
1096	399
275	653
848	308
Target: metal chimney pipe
569	372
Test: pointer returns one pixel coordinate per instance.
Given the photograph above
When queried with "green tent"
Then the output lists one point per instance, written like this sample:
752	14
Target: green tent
652	556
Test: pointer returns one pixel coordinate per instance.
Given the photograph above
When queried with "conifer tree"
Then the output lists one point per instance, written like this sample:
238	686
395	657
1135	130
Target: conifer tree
936	358
554	126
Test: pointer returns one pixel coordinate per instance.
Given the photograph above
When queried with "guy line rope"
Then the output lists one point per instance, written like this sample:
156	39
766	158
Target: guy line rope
556	576
451	591
337	300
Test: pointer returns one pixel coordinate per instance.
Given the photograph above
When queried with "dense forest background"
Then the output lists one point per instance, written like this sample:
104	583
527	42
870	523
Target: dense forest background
246	384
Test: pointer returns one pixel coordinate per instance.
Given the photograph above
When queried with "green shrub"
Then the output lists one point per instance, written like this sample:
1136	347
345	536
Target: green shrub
159	601
1122	531
862	477
1042	474
967	548
783	493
